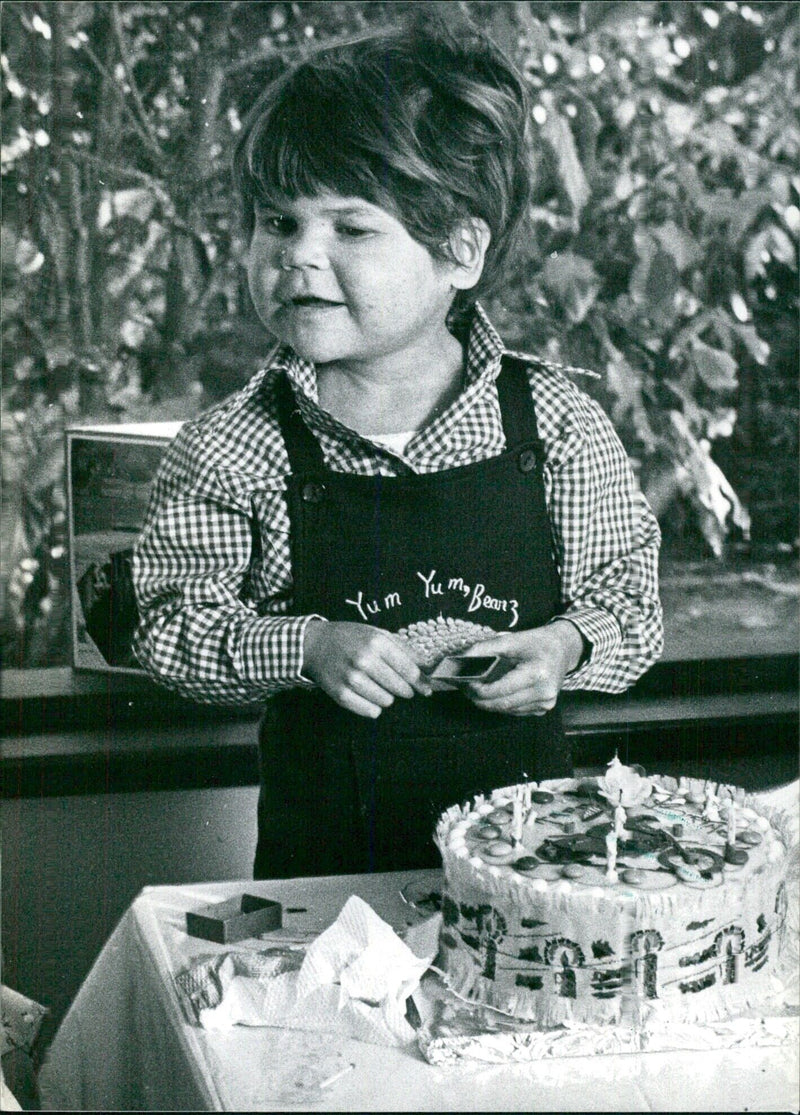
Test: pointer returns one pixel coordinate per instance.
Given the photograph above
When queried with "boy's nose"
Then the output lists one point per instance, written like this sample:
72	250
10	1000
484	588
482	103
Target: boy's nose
302	250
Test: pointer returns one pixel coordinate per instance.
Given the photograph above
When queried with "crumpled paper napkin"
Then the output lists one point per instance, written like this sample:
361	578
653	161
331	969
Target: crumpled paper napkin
355	980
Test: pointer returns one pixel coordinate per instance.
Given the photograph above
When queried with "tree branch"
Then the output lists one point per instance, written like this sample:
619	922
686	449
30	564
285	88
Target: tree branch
288	52
143	135
119	35
81	255
116	169
252	58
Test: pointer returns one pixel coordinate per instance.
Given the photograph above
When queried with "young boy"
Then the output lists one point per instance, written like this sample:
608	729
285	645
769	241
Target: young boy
392	472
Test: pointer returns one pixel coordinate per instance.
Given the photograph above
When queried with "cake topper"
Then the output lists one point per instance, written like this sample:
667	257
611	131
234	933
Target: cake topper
711	806
622	787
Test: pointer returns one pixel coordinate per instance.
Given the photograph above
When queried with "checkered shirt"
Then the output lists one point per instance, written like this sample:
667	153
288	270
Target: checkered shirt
212	567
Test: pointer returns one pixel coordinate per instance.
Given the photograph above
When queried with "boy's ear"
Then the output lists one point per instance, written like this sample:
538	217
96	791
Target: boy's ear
468	244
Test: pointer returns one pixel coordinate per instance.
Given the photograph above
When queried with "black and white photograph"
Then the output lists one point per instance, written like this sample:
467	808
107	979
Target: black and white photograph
399	555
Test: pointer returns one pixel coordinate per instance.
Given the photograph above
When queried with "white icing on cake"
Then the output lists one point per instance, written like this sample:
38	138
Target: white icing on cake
689	930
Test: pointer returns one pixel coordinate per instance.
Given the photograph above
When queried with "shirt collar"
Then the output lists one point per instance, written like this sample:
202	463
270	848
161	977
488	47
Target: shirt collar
484	348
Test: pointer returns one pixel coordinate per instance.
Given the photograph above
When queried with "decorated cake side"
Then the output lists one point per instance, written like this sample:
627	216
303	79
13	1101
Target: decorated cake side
611	899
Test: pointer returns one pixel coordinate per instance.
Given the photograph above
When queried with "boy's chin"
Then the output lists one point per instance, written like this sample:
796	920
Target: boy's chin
316	350
315	354
307	343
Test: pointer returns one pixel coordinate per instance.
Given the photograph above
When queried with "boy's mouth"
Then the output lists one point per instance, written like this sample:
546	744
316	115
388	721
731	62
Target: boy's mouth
312	301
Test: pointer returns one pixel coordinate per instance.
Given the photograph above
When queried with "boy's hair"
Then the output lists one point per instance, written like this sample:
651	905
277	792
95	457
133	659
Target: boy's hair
427	123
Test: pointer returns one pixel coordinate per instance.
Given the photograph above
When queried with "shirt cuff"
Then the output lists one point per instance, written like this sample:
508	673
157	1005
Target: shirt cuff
270	655
306	620
603	638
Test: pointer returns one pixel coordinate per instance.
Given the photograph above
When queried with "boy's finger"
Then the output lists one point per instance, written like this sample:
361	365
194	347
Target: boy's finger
515	681
373	690
359	705
402	662
502	646
390	679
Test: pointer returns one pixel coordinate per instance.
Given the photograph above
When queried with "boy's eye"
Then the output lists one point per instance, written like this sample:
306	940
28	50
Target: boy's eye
354	232
276	223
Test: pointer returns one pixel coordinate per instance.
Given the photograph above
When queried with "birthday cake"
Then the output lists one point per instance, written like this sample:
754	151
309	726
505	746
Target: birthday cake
612	899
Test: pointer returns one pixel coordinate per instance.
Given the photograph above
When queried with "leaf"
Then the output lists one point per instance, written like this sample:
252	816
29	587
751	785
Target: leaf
680	120
719	139
137	260
721	206
134	203
739	307
557	139
625	383
768	244
751	204
678	243
716	368
655	280
625	185
693	414
757	348
625	113
704	481
133	333
721	423
572	282
47	468
27	256
663	280
690	182
585	127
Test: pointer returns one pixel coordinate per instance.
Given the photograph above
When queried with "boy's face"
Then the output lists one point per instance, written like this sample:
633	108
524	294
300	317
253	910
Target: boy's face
342	281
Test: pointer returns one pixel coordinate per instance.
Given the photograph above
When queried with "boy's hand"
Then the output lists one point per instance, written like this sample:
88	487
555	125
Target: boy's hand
542	658
362	668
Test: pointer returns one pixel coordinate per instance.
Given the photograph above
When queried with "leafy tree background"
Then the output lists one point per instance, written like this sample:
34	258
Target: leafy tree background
662	250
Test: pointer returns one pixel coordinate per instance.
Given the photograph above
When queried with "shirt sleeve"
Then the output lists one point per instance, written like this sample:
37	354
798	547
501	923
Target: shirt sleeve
606	539
198	633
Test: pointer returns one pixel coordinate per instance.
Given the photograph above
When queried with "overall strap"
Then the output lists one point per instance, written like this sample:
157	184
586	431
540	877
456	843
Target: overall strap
516	404
305	454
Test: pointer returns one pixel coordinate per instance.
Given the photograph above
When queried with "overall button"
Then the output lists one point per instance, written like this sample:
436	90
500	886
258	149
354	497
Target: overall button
314	492
527	460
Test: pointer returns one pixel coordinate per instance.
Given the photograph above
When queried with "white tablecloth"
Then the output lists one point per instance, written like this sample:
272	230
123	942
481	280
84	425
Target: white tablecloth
125	1045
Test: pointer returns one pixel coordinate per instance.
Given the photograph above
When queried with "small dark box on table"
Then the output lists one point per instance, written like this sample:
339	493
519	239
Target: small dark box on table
245	915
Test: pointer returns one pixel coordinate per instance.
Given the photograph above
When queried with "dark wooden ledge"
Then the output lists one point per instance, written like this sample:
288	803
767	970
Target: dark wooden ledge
65	732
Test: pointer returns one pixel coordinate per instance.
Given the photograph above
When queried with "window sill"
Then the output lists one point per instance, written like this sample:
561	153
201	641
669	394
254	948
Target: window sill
62	699
66	732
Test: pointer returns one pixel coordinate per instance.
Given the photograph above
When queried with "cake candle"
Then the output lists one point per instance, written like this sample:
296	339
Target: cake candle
732	822
620	817
517	827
